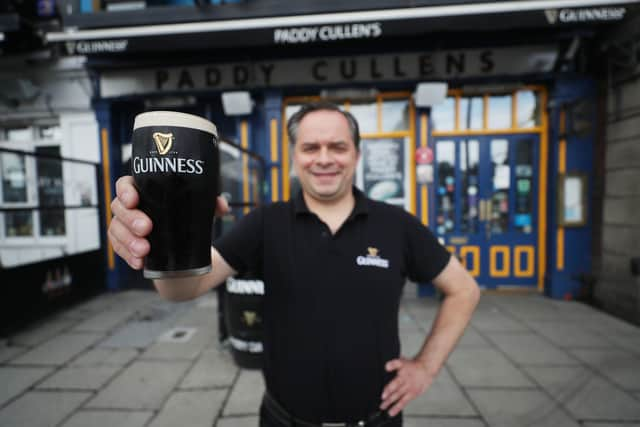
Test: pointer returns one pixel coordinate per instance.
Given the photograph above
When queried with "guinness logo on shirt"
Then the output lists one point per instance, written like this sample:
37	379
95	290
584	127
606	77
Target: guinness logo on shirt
372	259
250	318
163	141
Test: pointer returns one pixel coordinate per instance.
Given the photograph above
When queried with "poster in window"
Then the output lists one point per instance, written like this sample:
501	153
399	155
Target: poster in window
383	170
572	204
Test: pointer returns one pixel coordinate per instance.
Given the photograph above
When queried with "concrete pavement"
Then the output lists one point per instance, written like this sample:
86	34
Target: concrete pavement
525	361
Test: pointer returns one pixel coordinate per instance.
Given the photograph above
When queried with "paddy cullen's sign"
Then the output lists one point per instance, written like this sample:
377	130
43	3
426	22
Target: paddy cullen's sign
327	33
331	70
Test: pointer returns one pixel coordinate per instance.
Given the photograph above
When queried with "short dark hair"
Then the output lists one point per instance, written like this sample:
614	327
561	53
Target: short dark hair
294	122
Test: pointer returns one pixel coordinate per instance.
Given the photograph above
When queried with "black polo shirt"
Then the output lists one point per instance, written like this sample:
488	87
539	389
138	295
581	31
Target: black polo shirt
331	301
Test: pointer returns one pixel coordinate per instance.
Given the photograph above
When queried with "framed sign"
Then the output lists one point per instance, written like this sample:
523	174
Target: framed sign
572	199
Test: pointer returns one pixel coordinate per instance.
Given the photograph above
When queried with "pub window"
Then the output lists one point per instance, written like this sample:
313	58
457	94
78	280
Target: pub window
528	103
366	113
50	192
15	194
395	115
471	112
499	112
444	115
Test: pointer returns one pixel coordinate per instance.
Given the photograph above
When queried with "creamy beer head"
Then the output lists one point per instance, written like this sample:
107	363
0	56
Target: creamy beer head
174	118
175	165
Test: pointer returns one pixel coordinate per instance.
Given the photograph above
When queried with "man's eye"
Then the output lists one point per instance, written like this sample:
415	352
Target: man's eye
308	148
339	148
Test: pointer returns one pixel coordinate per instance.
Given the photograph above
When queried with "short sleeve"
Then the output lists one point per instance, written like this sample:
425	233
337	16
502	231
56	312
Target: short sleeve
426	257
241	247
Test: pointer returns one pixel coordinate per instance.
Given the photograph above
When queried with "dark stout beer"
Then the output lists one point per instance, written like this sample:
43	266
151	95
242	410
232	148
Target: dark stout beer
176	169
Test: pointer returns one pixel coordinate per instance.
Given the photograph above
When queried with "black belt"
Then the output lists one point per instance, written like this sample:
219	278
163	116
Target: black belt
274	409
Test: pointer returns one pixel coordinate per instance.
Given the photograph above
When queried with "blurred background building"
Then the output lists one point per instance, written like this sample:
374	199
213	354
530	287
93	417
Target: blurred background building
510	128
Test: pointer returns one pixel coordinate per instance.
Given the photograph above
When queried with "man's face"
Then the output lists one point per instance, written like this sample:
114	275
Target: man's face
325	156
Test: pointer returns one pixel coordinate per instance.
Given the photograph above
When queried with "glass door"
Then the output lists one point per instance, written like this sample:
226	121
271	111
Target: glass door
485	207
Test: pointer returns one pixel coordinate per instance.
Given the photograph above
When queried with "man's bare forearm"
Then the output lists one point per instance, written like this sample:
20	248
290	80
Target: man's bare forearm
452	319
187	288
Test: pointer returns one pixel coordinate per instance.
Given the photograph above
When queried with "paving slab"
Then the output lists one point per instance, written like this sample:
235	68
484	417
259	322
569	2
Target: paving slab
59	349
496	320
109	419
41	409
407	324
437	422
204	318
628	342
142	385
178	350
598	424
191	408
214	368
80	378
444	398
238	422
587	396
472	338
8	352
104	321
42	332
16	380
411	342
525	307
519	408
485	367
246	395
619	366
105	356
529	348
569	335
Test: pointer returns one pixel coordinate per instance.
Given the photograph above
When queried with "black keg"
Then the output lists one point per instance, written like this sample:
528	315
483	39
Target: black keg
243	316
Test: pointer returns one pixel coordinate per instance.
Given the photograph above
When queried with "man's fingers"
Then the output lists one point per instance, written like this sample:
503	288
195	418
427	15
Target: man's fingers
401	404
402	391
121	248
222	206
126	192
131	244
391	387
393	365
133	219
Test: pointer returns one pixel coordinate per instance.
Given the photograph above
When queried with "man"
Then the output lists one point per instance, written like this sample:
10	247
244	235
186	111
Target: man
333	263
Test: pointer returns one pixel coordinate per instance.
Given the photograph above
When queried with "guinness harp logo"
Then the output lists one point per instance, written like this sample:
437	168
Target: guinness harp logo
164	142
250	318
372	251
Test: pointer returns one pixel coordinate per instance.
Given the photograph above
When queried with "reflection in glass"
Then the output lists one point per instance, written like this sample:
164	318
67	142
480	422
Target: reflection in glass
528	109
501	182
523	217
18	224
469	161
50	192
395	115
14	178
445	193
499	112
443	115
367	116
471	113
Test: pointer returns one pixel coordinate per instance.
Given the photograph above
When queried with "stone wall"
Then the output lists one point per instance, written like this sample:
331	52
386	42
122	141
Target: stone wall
617	290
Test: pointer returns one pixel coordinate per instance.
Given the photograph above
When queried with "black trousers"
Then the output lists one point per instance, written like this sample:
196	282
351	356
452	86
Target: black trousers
266	420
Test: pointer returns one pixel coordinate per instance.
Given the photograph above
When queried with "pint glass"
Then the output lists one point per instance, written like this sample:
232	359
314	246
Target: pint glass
176	169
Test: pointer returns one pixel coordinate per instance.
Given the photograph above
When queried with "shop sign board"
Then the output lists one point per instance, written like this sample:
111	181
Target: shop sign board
445	65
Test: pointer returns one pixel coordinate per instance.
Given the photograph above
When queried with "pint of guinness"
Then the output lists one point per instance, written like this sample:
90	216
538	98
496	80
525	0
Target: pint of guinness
176	170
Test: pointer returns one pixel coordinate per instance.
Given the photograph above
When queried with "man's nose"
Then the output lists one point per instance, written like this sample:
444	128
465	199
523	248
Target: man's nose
324	156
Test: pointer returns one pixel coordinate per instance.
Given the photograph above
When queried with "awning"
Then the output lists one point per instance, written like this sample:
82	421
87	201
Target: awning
332	27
